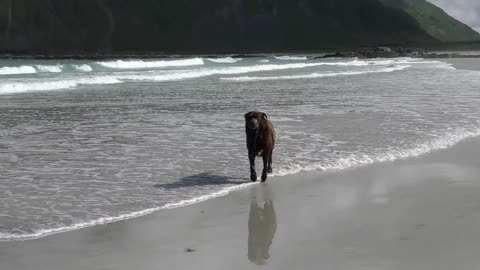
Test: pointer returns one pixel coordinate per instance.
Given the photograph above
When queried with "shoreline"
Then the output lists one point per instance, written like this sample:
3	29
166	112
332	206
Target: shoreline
314	169
362	53
386	215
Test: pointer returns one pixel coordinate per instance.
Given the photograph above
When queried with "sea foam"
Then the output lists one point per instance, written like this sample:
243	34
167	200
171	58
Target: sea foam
105	220
22	87
290	58
314	75
17	70
354	160
49	68
172	75
140	64
189	74
225	60
84	68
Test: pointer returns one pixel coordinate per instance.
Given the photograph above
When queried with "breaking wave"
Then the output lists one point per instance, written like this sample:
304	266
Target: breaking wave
437	64
50	68
22	87
355	160
84	68
43	69
290	58
314	75
189	74
15	86
139	64
17	70
225	60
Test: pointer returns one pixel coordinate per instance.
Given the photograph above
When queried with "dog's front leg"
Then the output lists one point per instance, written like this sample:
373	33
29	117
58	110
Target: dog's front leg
251	158
265	167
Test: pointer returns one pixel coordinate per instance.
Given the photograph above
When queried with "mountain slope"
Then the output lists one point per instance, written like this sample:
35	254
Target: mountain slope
92	26
435	21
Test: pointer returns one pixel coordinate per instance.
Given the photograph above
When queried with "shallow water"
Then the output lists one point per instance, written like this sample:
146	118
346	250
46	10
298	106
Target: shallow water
84	142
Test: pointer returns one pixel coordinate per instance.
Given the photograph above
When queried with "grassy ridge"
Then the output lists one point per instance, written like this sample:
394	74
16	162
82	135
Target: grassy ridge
435	21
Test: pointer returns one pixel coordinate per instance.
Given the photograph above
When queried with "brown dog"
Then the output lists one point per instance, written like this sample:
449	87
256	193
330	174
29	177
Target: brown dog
260	142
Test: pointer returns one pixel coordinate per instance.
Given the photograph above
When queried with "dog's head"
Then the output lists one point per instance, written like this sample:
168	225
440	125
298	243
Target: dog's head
252	120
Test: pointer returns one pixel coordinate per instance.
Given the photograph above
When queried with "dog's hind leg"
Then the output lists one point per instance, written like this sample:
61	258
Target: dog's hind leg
270	155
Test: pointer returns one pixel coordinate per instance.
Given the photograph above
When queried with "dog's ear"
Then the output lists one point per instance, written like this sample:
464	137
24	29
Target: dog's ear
264	116
247	115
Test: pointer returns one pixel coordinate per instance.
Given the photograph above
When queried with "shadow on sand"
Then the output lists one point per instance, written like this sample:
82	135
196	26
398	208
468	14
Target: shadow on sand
203	179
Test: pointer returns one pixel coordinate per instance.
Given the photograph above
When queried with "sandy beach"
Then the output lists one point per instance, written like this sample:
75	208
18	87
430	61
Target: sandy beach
130	134
419	213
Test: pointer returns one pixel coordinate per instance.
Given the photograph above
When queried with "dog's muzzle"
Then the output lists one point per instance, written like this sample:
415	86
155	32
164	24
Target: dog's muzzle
252	124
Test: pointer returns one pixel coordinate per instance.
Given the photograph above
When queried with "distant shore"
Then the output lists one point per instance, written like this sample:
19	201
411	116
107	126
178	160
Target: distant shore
371	52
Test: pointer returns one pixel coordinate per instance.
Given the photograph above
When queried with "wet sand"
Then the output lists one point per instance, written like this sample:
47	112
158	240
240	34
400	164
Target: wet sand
421	213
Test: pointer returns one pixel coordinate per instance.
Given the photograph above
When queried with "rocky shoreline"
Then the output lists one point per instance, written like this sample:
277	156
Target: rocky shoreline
377	52
387	52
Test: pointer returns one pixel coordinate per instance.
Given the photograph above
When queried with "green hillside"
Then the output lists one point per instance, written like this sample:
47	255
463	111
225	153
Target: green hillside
435	21
219	26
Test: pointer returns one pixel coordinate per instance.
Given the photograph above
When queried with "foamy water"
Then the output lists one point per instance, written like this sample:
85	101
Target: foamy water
224	60
72	80
290	58
52	68
315	75
140	64
84	67
17	70
87	142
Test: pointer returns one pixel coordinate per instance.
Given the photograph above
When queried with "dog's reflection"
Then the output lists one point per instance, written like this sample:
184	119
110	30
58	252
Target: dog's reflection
262	224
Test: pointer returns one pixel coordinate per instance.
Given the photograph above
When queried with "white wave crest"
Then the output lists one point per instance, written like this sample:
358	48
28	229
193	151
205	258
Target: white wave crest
139	64
264	61
314	75
355	63
421	61
49	68
438	64
170	75
381	62
17	70
22	87
85	68
290	58
356	160
225	60
409	60
44	232
190	74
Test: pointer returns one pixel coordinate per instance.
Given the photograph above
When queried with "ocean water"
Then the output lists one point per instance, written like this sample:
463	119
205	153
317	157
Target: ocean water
91	142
